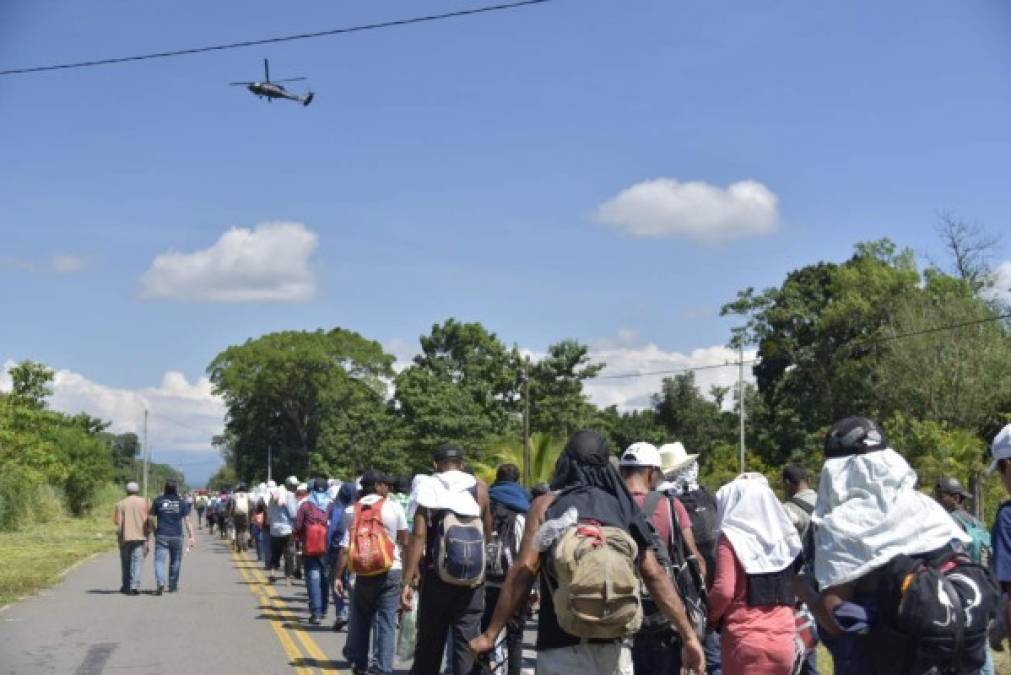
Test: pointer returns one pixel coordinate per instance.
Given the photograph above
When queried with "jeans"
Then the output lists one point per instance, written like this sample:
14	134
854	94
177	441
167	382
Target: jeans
168	551
988	667
131	558
339	604
316	584
442	607
200	517
265	546
711	648
656	659
374	599
279	549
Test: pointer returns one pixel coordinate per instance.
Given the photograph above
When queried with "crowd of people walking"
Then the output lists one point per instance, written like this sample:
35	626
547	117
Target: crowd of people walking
629	564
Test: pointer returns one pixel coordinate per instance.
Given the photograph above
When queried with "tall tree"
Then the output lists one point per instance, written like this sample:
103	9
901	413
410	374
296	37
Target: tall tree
280	388
558	406
31	384
463	387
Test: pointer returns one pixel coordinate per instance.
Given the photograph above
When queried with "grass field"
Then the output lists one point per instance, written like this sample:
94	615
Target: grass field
36	556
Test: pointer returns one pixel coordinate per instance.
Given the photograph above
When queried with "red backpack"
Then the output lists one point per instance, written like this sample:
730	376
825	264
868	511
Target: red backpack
315	532
371	549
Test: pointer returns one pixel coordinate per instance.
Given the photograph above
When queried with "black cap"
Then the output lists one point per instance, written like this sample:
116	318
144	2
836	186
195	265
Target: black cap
320	485
448	451
854	436
796	474
950	485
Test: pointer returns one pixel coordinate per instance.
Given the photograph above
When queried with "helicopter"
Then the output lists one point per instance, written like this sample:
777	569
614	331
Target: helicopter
274	90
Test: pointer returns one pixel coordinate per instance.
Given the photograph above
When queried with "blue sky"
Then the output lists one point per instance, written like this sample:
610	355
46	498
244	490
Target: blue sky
457	168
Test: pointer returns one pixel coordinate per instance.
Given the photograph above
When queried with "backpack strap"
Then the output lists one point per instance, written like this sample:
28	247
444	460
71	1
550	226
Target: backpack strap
649	507
801	504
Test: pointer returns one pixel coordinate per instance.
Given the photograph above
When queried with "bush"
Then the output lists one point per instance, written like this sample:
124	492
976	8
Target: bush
25	502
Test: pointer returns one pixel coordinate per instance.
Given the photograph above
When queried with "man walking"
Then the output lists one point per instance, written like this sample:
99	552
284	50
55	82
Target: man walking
371	546
586	487
172	515
509	506
238	509
310	530
452	591
130	518
281	511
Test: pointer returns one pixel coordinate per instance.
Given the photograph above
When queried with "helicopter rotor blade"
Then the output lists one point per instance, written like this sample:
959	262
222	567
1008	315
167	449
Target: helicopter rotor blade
266	70
291	79
235	84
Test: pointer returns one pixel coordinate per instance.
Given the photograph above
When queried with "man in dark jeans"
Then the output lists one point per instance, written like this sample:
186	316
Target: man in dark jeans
171	513
444	606
374	599
509	503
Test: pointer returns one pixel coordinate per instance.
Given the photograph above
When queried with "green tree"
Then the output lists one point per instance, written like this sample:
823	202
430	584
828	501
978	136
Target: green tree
558	406
282	389
688	416
462	388
31	384
816	335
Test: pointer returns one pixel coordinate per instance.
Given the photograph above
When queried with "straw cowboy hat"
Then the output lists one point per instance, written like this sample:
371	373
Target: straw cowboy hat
673	456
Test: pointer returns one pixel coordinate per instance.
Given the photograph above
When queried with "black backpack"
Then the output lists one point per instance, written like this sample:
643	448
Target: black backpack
701	507
501	549
807	536
933	613
685	573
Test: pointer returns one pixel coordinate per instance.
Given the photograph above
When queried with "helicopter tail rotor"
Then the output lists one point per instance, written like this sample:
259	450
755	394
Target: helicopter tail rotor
307	99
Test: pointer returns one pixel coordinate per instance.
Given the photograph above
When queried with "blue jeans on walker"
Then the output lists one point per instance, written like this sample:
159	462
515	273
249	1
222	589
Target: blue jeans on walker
316	584
374	598
168	551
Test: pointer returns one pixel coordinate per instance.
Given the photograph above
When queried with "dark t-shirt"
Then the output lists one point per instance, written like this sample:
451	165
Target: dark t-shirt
170	511
1000	535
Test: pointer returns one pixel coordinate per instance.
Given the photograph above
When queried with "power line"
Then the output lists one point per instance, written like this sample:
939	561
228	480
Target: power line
728	364
178	423
927	331
276	39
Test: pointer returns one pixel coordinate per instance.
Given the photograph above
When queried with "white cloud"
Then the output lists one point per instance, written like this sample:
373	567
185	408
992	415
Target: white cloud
269	263
67	263
694	210
623	357
403	350
1001	288
184	415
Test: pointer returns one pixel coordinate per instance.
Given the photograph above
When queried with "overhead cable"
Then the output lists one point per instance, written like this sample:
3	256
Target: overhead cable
281	38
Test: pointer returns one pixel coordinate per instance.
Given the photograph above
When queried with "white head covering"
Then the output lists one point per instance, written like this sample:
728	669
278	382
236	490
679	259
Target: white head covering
869	511
446	490
750	516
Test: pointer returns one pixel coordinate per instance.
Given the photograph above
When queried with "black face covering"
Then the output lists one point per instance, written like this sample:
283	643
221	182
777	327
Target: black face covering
584	469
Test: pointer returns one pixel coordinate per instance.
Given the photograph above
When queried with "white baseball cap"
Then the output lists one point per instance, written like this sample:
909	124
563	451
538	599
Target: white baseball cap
1000	448
641	454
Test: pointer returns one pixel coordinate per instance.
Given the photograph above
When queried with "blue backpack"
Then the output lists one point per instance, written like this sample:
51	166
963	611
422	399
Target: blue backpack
335	531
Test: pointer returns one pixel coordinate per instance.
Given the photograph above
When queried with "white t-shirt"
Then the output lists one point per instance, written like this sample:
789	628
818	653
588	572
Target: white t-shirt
394	519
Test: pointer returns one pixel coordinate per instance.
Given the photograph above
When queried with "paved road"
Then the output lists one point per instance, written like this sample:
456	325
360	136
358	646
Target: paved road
225	619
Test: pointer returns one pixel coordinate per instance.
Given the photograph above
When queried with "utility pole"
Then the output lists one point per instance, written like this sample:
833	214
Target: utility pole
147	454
270	462
526	426
740	396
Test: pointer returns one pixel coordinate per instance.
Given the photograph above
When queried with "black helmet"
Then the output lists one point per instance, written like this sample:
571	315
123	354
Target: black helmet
854	436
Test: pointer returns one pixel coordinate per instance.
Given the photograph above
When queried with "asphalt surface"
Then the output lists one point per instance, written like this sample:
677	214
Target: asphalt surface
226	618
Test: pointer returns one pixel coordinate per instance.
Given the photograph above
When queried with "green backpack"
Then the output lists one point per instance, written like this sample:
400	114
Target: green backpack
980	548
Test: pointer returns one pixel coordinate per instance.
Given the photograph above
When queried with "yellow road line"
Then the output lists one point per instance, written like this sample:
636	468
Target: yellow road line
282	634
310	645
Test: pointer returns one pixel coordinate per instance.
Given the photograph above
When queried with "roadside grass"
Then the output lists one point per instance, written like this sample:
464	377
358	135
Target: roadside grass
1002	661
34	557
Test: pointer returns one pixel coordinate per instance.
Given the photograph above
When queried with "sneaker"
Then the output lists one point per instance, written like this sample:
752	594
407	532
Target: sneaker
134	591
314	619
161	589
339	624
